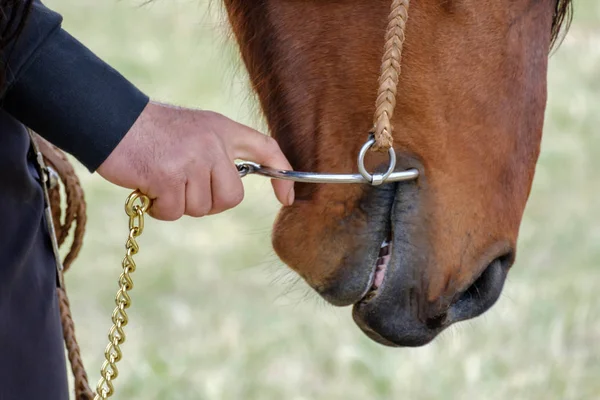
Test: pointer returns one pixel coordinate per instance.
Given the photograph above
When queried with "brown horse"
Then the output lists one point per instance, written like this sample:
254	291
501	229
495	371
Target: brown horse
469	117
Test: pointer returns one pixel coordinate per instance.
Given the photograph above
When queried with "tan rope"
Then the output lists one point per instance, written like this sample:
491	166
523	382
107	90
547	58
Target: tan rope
82	388
389	76
75	214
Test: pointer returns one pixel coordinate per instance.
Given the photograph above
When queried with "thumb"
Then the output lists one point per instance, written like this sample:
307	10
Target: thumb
262	149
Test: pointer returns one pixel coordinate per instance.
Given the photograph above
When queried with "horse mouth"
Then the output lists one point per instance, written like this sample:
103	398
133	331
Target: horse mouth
379	271
375	286
387	313
393	313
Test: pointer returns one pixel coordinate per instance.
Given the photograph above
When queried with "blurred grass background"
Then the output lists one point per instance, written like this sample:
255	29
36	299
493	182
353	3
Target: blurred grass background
215	314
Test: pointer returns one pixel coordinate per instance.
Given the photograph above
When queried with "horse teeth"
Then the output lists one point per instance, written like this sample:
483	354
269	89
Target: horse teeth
384	251
380	269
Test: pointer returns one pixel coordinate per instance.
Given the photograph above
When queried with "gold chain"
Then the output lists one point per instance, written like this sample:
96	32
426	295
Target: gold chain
116	334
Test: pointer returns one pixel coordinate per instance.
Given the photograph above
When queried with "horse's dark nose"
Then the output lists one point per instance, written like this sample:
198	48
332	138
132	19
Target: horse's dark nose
483	292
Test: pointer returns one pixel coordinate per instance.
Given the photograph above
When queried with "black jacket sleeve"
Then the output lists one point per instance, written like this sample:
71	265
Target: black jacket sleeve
61	90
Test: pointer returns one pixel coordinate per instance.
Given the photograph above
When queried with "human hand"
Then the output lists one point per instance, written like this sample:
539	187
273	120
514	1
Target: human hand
183	160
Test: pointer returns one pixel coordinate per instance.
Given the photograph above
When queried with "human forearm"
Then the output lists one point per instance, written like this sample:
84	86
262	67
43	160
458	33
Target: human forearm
60	89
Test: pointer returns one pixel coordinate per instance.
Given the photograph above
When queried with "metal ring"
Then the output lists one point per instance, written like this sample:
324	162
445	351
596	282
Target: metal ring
245	168
375	179
145	205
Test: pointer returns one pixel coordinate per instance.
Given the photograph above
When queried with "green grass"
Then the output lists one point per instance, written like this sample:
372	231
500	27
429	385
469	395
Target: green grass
216	316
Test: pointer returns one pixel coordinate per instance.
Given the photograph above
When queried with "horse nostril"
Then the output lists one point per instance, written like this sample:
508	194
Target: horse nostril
484	292
437	321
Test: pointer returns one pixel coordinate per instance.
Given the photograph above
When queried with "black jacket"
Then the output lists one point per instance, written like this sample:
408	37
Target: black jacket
61	90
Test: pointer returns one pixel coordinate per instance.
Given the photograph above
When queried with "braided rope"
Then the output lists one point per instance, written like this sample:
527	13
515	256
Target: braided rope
75	213
389	76
82	387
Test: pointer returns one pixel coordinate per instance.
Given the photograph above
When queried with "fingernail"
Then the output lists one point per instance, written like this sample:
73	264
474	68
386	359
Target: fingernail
290	197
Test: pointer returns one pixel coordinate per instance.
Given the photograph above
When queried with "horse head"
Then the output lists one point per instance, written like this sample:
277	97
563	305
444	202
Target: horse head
411	257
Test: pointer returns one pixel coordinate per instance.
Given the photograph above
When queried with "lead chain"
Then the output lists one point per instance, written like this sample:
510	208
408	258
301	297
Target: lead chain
116	335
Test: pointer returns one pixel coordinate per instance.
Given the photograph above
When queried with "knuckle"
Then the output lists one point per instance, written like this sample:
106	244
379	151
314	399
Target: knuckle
211	138
230	200
165	214
207	148
270	142
195	213
235	198
272	150
201	209
172	174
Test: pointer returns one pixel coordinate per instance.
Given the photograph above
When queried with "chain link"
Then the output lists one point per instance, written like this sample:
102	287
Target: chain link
136	206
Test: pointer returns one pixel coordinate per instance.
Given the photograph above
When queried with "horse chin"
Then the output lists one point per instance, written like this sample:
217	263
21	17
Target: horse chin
398	330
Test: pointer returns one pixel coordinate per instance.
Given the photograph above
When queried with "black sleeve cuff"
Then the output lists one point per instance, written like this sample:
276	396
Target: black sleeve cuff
73	99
